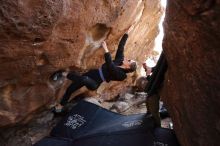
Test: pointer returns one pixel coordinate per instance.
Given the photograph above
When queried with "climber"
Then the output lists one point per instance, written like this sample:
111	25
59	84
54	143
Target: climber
111	70
155	77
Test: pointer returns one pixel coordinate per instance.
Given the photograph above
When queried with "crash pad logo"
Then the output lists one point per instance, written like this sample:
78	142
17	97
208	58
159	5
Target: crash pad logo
129	124
75	121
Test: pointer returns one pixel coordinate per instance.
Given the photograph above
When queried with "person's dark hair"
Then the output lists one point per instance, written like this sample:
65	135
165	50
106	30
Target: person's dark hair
133	67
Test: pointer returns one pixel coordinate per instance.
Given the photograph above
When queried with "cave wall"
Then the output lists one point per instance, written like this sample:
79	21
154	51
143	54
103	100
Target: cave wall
40	37
192	86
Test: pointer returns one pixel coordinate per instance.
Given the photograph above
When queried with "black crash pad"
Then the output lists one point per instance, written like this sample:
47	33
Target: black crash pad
88	119
90	125
54	141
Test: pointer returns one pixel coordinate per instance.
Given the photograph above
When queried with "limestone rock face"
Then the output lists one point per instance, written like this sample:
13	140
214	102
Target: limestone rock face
40	37
192	86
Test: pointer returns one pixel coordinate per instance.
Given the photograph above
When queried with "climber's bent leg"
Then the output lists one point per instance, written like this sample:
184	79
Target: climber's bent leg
72	88
90	83
74	76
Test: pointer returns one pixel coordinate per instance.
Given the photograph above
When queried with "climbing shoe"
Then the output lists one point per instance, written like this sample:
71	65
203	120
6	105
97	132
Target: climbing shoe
57	75
58	109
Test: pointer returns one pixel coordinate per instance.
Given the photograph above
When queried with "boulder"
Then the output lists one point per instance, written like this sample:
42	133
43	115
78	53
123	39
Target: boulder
192	87
40	37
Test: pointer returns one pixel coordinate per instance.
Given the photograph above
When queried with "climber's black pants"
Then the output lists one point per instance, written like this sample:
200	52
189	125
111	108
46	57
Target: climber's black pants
78	82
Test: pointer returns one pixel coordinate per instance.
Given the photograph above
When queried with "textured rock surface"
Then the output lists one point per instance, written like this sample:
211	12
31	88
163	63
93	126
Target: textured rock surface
28	134
40	37
192	88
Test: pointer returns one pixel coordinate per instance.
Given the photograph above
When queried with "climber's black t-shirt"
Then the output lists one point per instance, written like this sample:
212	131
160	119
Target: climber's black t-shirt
110	69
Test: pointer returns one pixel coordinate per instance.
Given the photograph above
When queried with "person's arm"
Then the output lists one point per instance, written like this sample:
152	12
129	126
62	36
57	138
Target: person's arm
107	55
104	46
112	68
119	57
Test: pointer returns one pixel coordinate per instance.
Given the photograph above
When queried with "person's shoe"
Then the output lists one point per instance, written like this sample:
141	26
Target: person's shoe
58	109
57	75
55	78
64	73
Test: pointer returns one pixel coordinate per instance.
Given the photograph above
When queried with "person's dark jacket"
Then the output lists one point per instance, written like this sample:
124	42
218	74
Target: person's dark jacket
111	69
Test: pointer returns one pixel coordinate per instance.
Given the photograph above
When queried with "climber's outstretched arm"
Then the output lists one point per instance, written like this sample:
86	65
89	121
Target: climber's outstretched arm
104	46
119	57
